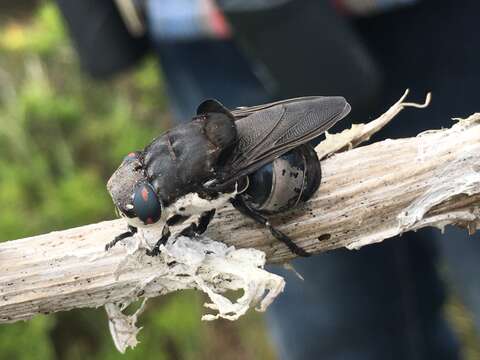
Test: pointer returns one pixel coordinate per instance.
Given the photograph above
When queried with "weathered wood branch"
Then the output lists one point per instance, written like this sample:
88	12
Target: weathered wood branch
367	194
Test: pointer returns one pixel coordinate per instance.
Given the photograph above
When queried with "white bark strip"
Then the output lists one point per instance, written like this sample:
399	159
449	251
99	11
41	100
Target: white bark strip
367	194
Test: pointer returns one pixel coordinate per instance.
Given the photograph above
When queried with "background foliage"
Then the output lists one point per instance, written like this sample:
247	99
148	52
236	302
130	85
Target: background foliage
61	136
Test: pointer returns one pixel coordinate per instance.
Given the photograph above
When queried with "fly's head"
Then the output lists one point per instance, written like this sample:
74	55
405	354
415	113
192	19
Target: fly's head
133	195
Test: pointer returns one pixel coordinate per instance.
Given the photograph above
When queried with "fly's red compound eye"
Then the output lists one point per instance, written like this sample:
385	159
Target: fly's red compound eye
146	205
131	157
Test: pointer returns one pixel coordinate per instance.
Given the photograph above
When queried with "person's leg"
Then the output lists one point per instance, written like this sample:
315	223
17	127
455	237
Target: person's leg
361	311
385	301
382	302
435	52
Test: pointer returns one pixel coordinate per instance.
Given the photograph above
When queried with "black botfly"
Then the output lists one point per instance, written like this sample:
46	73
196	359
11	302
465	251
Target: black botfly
258	158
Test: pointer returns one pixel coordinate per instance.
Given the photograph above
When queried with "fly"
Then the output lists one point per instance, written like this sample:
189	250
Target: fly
257	158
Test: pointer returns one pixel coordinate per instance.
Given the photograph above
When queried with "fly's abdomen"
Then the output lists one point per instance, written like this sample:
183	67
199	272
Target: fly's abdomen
283	183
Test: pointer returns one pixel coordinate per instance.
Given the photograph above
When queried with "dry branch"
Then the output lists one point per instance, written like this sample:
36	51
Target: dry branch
367	194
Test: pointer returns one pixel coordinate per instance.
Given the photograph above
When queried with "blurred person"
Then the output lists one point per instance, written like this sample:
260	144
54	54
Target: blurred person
384	301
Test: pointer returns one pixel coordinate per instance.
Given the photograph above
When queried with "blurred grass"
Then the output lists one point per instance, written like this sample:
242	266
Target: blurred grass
61	136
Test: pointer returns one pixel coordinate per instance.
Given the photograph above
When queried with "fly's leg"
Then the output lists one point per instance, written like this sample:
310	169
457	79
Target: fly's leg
131	231
190	231
239	204
197	229
204	221
162	241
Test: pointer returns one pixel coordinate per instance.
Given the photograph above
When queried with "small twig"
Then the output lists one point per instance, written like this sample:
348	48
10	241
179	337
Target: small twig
360	133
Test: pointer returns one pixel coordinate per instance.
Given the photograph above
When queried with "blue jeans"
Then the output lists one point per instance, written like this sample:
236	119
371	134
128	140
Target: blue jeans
199	70
384	301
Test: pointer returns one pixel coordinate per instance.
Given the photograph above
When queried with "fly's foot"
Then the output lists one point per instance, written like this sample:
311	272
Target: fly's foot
111	244
131	231
153	252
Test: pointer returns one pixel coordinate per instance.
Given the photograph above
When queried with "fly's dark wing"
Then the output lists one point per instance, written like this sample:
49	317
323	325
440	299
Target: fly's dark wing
265	132
245	111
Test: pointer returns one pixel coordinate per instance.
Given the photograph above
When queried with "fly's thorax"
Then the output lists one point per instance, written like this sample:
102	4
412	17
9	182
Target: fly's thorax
183	158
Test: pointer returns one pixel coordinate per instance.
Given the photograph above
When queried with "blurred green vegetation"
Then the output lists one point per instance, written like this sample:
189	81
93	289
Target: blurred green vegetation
61	136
